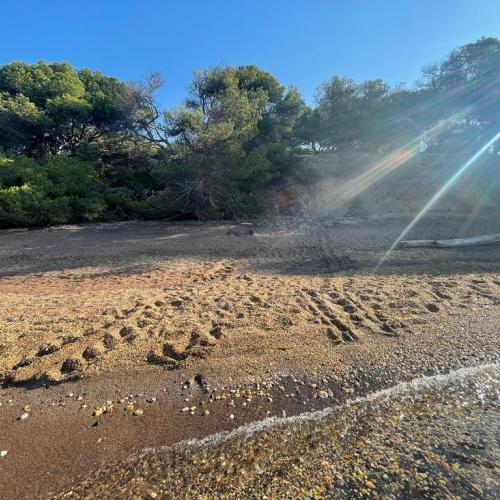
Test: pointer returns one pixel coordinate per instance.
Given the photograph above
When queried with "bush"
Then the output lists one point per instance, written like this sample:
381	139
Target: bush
158	206
53	191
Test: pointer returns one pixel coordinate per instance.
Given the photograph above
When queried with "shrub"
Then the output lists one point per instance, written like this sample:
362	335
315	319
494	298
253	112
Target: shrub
53	191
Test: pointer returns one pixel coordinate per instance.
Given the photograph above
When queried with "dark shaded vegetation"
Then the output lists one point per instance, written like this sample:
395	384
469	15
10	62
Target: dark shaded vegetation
79	146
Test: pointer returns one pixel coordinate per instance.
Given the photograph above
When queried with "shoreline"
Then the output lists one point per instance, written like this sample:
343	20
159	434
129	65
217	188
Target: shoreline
120	435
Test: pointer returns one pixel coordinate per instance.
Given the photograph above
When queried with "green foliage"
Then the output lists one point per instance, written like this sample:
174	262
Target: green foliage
469	78
230	137
54	191
82	146
52	108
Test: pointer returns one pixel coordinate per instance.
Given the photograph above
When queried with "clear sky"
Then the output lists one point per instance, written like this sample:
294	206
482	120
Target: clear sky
302	42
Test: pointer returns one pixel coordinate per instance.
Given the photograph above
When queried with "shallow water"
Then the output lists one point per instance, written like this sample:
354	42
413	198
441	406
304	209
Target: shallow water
435	437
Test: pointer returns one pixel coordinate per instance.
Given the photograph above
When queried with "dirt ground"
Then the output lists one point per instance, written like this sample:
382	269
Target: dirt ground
139	307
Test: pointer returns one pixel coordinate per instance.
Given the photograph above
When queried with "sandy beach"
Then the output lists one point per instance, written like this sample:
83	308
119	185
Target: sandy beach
120	337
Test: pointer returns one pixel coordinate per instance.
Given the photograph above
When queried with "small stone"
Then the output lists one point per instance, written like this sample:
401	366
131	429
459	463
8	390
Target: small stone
206	413
70	394
231	417
151	400
323	395
138	413
3	453
185	409
79	398
98	411
23	416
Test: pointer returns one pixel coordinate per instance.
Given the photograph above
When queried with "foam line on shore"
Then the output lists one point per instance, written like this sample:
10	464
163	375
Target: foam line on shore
245	431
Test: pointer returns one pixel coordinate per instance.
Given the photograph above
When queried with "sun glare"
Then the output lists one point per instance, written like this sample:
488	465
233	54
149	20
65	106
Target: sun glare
438	195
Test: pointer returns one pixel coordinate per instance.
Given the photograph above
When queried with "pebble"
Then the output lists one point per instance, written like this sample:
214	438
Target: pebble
323	395
70	394
231	417
3	453
206	412
151	400
23	416
138	413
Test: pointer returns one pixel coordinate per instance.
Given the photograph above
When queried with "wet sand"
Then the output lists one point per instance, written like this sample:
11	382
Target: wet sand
433	437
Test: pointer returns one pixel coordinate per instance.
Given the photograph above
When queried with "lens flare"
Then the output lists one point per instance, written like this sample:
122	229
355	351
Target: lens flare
392	161
475	211
437	196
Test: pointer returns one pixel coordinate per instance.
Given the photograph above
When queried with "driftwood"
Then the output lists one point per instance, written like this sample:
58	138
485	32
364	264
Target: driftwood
487	239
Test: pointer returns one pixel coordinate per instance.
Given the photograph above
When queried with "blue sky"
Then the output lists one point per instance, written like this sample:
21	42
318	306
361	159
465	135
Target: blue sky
302	42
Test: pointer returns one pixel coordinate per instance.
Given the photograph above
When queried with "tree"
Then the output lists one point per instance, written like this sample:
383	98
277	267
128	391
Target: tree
347	112
52	108
468	79
229	138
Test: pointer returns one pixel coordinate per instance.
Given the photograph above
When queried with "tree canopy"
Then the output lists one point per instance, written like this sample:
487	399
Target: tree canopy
236	135
52	108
